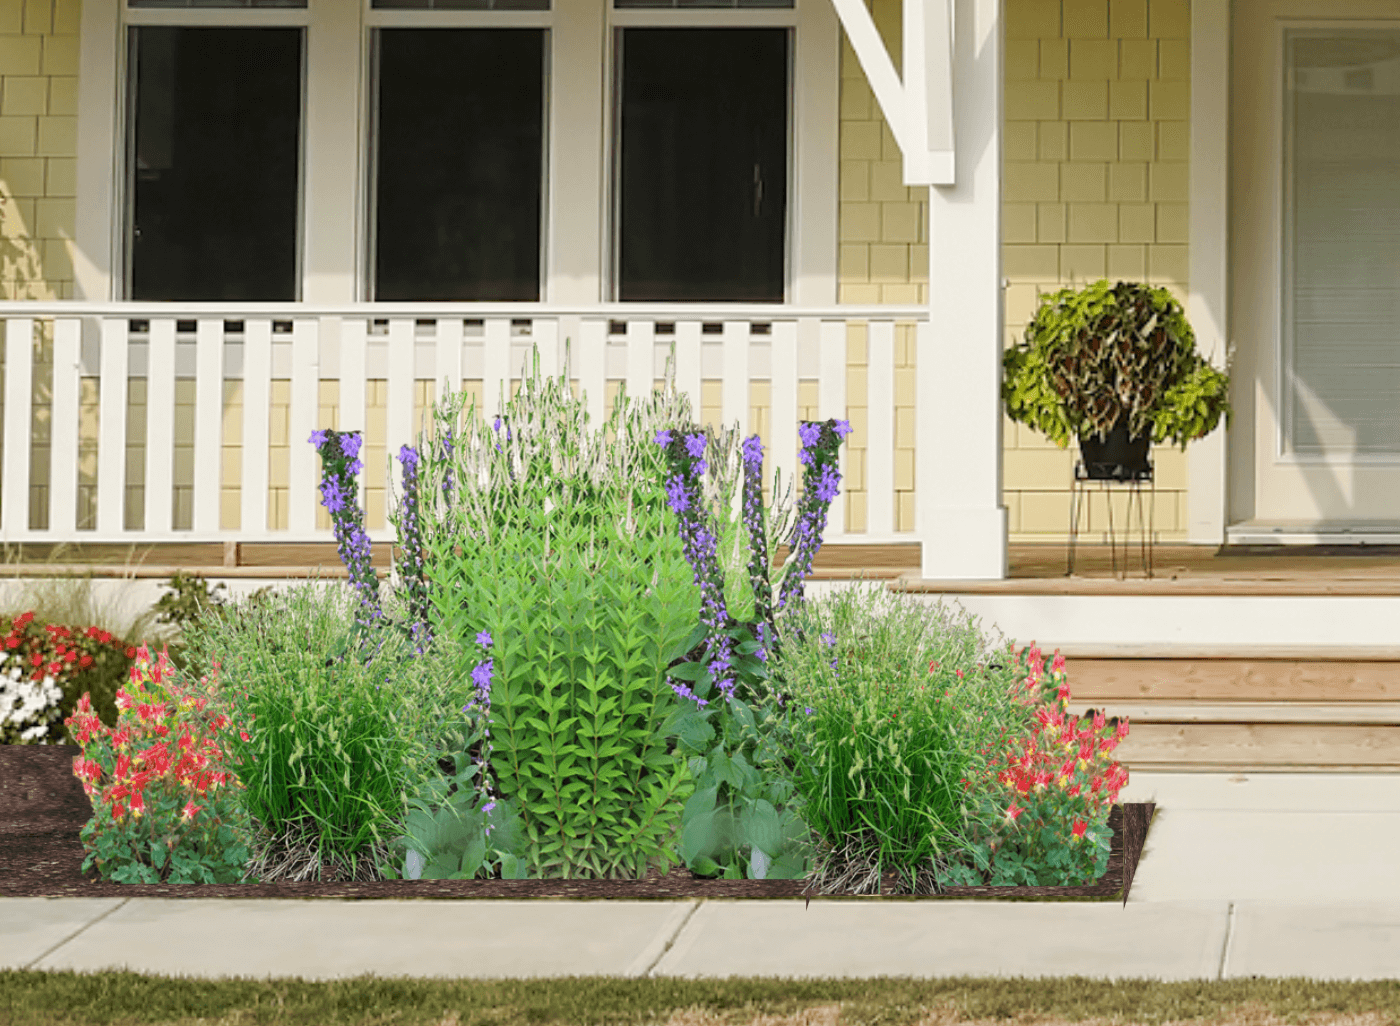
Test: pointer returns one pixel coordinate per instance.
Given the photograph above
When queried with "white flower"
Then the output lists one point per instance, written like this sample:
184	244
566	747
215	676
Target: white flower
27	708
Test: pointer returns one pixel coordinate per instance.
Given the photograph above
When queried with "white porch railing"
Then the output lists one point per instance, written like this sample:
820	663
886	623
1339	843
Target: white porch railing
256	343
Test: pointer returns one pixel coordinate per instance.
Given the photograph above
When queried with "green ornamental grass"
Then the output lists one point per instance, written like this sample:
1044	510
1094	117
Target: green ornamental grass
332	748
892	701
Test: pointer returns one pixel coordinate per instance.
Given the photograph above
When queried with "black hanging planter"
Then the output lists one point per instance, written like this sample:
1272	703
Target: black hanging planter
1116	457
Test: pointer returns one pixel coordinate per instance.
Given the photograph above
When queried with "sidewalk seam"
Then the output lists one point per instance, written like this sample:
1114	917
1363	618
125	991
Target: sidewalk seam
1229	936
671	941
74	935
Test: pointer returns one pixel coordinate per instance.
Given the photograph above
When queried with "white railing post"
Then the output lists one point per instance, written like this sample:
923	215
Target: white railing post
879	420
545	334
302	489
63	439
641	357
831	402
257	410
592	368
782	399
208	425
398	418
19	378
447	357
113	389
496	370
689	369
354	355
734	391
160	427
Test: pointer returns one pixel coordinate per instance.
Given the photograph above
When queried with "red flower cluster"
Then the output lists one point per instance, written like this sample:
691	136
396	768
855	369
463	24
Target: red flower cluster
51	650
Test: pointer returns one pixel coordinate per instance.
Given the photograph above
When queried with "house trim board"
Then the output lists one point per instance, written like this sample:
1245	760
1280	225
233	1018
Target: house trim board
1208	289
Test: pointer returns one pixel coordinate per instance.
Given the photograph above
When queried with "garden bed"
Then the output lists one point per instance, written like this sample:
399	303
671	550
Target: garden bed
43	808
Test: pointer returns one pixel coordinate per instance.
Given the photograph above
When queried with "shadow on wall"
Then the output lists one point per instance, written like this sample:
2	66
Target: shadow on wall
21	263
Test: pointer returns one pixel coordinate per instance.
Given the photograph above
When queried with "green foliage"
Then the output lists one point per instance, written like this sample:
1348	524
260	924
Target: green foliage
1095	354
891	707
447	826
123	854
742	821
585	620
337	746
189	598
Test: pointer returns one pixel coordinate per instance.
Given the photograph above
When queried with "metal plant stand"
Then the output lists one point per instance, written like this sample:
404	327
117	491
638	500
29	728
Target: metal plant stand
1079	494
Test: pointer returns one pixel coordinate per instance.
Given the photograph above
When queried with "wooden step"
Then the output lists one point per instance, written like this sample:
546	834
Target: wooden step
1218	713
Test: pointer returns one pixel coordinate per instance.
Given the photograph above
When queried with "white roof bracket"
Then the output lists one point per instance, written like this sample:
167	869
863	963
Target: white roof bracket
919	110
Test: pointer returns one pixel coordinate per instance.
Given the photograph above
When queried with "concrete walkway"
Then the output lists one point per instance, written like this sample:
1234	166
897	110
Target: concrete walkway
1273	875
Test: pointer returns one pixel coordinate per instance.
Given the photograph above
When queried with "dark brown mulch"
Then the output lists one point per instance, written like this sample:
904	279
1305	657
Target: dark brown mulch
43	808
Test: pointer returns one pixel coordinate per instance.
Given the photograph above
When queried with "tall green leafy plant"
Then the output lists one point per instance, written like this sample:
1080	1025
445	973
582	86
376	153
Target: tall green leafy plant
586	618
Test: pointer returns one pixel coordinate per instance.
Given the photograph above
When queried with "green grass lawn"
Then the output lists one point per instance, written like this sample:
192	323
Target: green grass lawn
32	997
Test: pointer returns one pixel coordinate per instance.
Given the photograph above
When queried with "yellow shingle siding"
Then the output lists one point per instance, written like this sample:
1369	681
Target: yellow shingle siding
38	146
1096	142
1096	185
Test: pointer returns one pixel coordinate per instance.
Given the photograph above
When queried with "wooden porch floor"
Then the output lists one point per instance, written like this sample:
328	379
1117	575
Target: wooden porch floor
1032	568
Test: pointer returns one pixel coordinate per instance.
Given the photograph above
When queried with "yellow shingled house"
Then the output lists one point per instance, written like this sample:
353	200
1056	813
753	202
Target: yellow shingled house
227	223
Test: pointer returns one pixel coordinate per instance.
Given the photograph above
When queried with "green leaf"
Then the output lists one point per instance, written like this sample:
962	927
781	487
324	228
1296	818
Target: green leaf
704	866
698	836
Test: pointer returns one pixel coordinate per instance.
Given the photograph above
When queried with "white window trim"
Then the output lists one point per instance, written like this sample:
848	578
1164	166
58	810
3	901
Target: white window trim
578	219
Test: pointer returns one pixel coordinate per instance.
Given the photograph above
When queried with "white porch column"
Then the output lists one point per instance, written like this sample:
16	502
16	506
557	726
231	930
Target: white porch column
961	519
1207	308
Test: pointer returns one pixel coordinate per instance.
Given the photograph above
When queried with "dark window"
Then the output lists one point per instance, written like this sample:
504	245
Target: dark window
460	135
702	205
216	116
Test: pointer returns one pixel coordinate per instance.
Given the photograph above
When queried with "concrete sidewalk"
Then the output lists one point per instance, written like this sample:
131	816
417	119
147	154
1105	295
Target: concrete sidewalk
1272	875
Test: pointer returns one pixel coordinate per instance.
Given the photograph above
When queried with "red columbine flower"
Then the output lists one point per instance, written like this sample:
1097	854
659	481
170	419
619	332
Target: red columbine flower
1013	813
1078	830
189	811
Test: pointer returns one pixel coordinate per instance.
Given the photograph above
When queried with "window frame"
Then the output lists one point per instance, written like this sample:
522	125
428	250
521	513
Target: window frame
577	242
123	197
376	20
613	204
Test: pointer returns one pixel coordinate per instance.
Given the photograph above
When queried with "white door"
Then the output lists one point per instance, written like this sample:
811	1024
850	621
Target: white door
1315	258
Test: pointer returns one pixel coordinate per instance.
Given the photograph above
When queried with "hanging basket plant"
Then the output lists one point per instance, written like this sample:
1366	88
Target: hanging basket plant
1103	354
